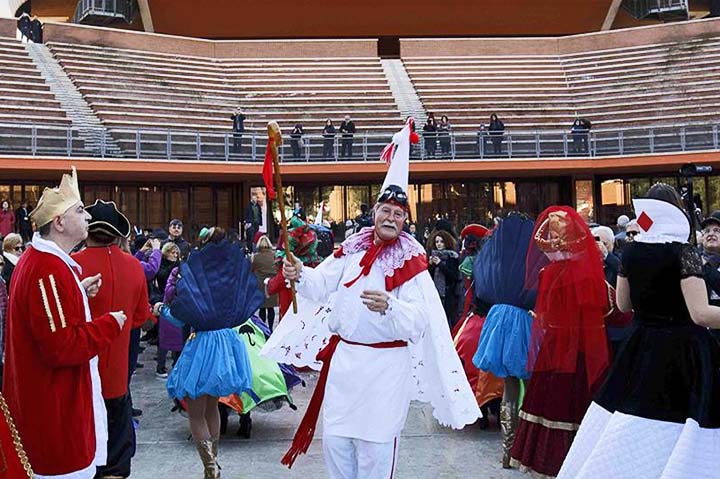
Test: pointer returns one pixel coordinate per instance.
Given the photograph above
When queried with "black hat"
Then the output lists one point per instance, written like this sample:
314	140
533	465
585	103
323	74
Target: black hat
159	233
106	218
713	218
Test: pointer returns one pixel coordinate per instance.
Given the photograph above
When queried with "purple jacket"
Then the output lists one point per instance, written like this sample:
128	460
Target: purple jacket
150	263
170	336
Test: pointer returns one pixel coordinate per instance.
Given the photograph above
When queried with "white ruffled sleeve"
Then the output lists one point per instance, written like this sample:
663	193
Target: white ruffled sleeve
405	313
320	282
437	371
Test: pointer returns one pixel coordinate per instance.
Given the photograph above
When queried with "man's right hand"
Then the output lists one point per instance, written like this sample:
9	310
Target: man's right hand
119	317
291	271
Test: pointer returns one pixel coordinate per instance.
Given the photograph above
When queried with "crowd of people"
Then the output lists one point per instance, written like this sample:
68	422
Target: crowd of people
582	340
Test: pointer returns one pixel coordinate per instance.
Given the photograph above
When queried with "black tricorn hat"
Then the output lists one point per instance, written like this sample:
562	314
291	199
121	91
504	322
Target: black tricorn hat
106	218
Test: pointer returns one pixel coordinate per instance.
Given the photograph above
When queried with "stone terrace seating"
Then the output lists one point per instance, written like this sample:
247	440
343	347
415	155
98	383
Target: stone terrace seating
526	92
638	86
26	98
24	95
663	83
144	90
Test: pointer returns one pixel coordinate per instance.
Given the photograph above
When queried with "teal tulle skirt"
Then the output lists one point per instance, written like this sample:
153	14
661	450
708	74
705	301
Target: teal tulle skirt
213	363
504	342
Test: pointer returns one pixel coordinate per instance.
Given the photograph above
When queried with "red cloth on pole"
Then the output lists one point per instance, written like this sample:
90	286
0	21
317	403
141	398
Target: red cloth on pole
267	172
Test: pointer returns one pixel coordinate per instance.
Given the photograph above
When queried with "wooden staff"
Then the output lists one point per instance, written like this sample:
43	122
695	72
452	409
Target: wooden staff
275	137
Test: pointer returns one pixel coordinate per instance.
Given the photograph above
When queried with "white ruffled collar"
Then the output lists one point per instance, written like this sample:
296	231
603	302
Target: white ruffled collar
392	257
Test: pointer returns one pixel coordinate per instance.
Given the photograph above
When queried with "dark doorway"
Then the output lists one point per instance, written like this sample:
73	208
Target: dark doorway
389	47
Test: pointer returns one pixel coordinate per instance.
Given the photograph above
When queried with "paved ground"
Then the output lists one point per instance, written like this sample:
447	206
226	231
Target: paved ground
425	451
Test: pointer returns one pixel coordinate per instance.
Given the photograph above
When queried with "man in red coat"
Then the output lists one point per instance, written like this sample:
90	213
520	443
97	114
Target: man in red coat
51	383
124	288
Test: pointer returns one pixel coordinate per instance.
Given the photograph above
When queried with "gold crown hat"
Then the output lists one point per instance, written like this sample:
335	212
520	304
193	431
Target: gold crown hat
56	201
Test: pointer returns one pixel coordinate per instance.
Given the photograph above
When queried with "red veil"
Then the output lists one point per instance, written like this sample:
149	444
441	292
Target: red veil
568	332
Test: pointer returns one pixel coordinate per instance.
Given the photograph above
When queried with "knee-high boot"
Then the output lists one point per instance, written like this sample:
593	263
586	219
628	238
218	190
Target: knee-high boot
215	446
205	450
508	425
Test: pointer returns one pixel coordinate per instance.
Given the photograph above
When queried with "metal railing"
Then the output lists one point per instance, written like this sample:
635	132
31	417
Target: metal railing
100	12
48	140
641	9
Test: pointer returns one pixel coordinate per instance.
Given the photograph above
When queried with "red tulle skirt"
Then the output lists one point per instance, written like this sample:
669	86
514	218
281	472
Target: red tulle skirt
486	386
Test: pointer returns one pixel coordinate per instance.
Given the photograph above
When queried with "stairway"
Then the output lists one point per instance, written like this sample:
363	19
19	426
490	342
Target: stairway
91	130
403	90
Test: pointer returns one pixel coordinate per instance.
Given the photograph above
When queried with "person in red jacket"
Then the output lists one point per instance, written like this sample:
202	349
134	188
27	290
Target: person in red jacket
51	382
124	288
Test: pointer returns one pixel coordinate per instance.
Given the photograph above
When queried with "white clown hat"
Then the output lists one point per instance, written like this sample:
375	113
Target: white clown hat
397	156
660	221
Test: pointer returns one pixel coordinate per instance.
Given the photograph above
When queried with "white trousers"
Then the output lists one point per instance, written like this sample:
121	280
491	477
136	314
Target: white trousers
348	458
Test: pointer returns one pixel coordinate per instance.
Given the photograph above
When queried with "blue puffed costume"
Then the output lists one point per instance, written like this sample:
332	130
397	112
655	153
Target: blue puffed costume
216	292
499	275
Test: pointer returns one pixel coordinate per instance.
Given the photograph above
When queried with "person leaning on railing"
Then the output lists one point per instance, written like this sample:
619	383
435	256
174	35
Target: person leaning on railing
238	119
580	130
347	128
328	139
296	141
444	129
497	131
430	135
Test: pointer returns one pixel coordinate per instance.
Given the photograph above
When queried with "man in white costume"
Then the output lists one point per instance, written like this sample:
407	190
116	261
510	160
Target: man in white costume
382	338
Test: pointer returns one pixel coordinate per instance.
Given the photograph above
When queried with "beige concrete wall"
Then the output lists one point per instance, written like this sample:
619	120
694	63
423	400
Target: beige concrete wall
8	26
85	35
649	35
295	48
432	47
105	37
411	47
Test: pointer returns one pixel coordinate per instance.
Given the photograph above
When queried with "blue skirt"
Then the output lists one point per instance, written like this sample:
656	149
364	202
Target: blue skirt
504	342
215	363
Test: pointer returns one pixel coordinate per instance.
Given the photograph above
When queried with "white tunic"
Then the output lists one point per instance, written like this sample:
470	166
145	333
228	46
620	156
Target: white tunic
368	389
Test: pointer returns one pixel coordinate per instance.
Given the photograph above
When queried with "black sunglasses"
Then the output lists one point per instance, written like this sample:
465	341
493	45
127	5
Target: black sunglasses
631	233
393	193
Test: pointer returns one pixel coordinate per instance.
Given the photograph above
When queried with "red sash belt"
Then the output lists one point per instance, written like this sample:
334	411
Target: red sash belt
306	430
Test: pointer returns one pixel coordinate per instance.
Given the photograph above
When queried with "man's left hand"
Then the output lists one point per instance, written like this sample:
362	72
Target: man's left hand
92	285
376	301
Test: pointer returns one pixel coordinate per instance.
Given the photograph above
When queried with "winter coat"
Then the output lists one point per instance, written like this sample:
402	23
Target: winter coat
263	265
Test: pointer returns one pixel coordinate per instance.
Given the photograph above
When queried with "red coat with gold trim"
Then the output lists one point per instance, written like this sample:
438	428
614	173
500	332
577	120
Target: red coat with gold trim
47	383
123	289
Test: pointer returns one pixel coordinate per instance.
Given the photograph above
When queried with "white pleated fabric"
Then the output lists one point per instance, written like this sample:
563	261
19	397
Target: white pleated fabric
621	446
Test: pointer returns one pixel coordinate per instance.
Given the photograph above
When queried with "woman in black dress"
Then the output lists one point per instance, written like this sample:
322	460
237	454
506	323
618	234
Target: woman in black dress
658	413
